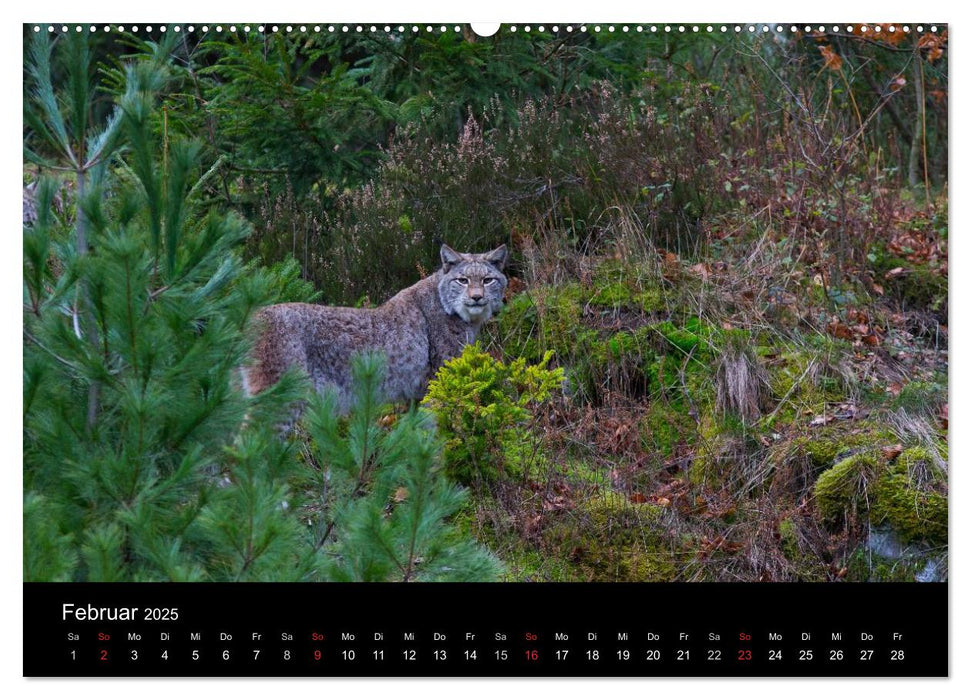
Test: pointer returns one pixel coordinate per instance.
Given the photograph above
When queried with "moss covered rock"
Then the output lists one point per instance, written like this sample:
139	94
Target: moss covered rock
606	333
612	294
616	283
826	445
911	497
839	489
886	557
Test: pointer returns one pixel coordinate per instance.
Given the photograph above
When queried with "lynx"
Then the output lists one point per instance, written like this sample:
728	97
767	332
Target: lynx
418	330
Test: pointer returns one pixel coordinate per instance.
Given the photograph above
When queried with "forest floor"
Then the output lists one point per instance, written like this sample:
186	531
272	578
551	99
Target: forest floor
730	419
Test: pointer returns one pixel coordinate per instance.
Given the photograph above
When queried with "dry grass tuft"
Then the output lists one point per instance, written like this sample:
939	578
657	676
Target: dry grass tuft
742	385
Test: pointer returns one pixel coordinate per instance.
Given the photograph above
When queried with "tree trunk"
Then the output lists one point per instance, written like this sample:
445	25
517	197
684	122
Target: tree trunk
914	172
86	321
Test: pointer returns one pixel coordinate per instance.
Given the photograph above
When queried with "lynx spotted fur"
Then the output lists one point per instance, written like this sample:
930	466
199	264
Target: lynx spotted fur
418	330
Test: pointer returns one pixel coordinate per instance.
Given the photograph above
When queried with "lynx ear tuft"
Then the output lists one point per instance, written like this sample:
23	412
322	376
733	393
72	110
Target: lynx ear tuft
449	258
498	257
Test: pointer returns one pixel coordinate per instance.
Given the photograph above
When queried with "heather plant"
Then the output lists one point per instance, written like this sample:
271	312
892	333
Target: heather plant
557	167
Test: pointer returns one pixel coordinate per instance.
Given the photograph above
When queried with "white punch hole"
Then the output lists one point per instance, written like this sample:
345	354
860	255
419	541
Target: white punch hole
485	28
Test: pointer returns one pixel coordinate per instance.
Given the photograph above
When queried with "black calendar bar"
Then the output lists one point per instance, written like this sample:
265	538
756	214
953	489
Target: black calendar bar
542	630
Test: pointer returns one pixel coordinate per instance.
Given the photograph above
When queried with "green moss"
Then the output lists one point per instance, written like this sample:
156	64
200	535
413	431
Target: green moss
798	388
547	318
610	539
920	457
825	444
487	522
621	362
821	451
680	338
633	360
650	300
560	312
617	283
525	564
523	454
712	448
838	489
665	426
865	566
789	539
922	397
803	565
917	287
908	495
622	344
916	514
518	326
613	294
584	472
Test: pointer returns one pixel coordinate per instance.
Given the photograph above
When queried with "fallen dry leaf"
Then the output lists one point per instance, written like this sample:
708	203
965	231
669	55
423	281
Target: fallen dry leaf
891	453
839	330
703	270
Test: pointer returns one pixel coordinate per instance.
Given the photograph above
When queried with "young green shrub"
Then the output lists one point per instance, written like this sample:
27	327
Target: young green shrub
478	402
385	497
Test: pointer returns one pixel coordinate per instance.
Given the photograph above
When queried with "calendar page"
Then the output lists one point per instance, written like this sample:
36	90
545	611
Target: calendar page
449	349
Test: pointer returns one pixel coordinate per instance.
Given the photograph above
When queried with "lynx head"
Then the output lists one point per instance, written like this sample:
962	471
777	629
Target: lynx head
472	285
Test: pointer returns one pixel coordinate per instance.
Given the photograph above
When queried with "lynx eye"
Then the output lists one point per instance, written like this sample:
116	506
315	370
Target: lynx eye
490	280
463	280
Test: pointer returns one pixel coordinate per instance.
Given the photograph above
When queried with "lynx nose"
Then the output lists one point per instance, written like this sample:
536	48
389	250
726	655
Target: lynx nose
476	293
